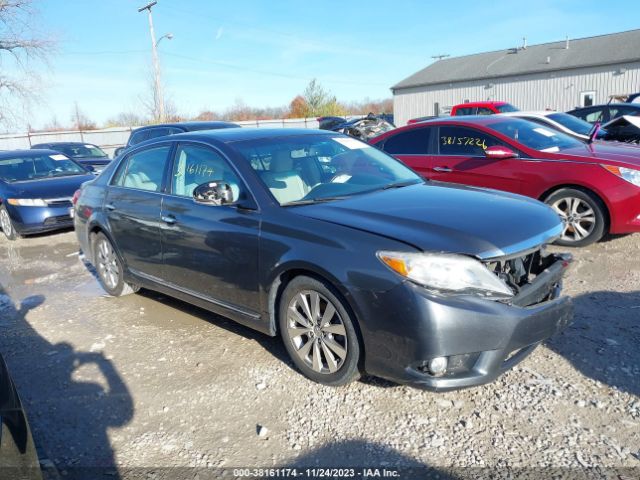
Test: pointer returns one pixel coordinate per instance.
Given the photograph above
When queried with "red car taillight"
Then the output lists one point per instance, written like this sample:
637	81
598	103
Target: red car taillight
75	198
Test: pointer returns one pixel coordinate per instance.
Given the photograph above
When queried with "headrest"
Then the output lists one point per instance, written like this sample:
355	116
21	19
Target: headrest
281	161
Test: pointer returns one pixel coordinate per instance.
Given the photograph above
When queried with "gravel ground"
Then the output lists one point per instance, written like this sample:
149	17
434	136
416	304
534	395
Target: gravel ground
146	381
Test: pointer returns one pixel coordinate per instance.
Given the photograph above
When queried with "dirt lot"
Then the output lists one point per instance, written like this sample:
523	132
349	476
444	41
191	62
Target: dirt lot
147	381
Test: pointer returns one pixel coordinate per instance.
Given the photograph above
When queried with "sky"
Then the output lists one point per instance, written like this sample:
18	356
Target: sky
264	52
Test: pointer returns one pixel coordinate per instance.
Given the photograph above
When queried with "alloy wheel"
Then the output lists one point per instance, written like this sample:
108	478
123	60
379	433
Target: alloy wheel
578	218
5	222
317	332
108	264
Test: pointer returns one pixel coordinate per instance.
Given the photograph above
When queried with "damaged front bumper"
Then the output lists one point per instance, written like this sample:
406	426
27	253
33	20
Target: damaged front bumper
479	338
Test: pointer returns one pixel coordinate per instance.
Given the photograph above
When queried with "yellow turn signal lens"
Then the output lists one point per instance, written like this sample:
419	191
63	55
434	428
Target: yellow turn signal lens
396	264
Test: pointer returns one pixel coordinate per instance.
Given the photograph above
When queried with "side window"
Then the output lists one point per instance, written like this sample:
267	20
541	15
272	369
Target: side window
594	116
138	137
195	165
484	111
465	111
143	170
615	112
464	141
157	132
415	141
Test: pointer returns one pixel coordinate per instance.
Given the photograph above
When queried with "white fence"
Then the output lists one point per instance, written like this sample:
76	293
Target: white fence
111	138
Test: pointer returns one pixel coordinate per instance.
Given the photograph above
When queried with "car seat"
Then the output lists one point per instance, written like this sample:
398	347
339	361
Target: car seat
285	183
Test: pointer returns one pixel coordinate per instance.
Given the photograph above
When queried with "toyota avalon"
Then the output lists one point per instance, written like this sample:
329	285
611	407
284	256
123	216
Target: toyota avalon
351	257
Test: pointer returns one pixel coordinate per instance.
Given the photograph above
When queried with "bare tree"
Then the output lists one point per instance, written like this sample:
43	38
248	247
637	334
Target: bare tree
80	119
20	48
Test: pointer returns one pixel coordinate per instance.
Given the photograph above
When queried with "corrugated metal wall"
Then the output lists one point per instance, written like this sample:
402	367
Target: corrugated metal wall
556	90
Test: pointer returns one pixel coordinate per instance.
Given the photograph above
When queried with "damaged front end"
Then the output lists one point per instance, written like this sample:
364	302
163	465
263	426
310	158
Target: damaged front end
534	277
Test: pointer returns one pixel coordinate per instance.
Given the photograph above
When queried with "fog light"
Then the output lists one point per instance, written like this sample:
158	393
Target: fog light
438	365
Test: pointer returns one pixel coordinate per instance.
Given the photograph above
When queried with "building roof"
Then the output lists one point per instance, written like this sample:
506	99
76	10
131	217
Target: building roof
608	49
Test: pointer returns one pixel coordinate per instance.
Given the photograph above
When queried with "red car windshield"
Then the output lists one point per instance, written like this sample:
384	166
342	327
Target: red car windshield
535	136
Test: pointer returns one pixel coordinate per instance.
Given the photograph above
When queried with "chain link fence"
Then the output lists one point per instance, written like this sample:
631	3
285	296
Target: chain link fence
111	138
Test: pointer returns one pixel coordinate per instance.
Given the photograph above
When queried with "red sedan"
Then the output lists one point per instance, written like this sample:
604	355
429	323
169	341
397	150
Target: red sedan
594	187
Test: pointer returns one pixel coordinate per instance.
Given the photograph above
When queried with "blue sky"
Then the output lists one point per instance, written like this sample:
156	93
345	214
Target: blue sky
265	52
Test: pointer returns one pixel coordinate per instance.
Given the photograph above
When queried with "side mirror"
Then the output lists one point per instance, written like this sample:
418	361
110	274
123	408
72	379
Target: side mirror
90	168
213	193
118	151
499	153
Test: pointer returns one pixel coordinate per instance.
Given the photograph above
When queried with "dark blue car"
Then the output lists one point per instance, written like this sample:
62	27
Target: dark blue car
88	155
351	257
36	188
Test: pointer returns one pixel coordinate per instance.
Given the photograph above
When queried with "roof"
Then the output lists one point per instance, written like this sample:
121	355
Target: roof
607	49
26	153
188	126
229	135
631	106
63	143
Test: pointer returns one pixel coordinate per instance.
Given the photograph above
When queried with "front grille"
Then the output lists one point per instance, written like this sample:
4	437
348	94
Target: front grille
57	220
59	202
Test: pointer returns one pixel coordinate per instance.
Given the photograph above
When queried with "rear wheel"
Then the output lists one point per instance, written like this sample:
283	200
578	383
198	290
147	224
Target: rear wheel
583	216
7	225
109	267
318	332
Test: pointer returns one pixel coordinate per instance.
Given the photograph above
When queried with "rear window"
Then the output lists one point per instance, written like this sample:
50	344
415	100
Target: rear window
507	107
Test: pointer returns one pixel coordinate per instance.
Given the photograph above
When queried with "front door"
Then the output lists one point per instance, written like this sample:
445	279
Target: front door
133	205
211	251
461	159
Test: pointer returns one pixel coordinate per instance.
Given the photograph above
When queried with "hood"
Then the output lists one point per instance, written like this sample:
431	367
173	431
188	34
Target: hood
50	187
455	219
619	154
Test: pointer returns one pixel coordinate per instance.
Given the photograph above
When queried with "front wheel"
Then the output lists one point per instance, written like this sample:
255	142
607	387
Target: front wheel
582	214
109	267
7	225
318	332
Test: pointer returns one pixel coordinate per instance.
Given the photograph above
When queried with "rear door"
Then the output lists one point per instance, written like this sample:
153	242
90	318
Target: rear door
132	206
210	251
460	159
413	147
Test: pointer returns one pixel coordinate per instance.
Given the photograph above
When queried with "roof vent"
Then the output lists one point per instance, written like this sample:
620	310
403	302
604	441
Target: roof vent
548	60
524	43
566	43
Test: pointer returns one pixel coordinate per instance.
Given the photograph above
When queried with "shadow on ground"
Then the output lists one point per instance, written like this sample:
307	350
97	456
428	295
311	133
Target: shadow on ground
602	343
335	460
69	417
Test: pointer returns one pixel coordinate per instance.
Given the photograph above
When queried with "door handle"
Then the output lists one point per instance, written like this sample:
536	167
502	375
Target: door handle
168	219
442	169
110	206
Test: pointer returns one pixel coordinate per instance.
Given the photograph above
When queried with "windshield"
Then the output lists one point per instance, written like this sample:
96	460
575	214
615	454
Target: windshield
84	151
535	136
574	124
22	169
507	107
315	168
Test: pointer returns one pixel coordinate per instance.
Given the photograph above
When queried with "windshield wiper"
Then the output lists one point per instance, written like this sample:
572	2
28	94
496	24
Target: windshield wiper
313	200
406	183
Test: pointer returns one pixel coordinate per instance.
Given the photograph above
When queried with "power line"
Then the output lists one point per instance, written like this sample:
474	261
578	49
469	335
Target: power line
265	72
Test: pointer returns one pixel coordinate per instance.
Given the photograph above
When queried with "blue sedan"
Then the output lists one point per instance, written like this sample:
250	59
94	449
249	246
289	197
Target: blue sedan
36	187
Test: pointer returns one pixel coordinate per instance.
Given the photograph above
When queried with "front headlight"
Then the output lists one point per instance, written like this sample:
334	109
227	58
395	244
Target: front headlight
446	273
27	202
631	175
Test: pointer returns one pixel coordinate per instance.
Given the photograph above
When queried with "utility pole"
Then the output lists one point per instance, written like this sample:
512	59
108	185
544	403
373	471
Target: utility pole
158	97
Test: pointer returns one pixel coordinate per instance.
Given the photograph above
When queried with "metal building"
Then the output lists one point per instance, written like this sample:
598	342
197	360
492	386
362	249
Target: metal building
559	75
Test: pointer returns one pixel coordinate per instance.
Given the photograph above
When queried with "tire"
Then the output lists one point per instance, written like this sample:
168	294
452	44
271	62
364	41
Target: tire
327	351
7	225
109	268
583	215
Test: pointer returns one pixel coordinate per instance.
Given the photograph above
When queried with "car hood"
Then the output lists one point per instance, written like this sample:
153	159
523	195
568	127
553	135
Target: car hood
605	152
50	187
456	219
